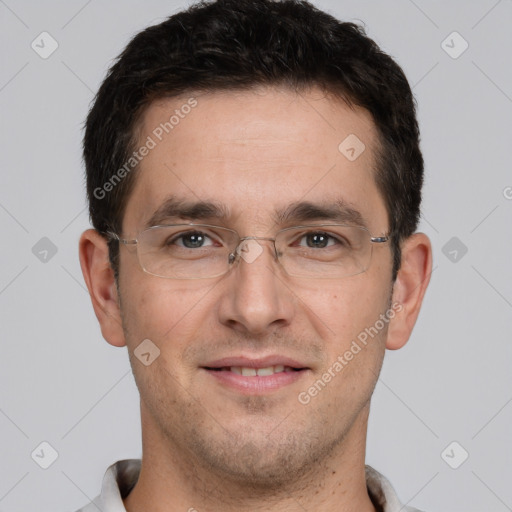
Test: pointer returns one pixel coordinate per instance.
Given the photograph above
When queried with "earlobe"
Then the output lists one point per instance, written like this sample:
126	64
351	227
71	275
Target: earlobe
409	288
99	278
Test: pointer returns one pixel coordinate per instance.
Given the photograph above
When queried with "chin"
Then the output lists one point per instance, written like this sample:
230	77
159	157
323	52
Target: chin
261	460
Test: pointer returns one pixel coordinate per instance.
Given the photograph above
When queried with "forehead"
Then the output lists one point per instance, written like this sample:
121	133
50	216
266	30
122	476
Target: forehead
254	153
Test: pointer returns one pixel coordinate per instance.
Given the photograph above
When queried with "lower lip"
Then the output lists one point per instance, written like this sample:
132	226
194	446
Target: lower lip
257	384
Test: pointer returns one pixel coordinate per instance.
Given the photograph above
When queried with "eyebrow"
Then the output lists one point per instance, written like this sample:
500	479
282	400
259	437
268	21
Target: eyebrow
338	211
174	208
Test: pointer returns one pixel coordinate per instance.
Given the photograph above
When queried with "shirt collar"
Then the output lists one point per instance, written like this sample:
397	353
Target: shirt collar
121	477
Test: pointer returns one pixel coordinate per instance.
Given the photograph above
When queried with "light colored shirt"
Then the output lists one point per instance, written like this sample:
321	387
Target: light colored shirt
121	477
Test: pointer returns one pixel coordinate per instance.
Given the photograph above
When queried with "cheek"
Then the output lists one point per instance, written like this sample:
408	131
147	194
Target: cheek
164	311
348	306
358	337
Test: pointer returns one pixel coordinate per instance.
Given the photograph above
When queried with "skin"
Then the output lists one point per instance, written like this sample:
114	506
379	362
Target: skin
207	446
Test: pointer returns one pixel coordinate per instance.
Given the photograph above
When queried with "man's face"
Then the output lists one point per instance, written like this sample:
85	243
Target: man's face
255	153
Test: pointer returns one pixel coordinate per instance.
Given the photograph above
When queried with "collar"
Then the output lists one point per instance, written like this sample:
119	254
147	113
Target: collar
121	477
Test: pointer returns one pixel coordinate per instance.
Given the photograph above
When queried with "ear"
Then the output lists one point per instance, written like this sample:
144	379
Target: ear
409	288
99	278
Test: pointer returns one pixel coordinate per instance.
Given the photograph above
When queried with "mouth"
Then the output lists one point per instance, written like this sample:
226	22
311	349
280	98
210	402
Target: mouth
248	371
255	376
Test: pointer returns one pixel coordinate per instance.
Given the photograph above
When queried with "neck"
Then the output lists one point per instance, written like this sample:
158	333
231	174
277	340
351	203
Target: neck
172	480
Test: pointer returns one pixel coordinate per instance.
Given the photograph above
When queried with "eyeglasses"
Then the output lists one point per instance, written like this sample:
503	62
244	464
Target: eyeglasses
201	251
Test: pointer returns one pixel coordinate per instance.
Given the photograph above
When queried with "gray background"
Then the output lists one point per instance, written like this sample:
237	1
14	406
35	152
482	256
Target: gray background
61	383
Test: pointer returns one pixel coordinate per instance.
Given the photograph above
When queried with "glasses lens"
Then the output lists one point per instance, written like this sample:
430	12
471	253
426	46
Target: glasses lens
324	251
185	251
195	251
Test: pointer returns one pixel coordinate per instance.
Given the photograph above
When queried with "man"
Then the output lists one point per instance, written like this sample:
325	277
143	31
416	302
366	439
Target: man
254	178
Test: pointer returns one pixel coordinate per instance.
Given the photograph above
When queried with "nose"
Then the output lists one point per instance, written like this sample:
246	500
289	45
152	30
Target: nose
256	299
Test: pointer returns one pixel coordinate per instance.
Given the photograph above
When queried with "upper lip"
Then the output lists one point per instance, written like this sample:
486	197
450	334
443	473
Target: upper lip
253	362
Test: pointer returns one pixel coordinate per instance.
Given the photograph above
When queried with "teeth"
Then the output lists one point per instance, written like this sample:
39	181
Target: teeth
266	371
262	372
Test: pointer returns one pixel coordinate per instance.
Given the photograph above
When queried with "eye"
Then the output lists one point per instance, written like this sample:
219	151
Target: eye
191	240
318	240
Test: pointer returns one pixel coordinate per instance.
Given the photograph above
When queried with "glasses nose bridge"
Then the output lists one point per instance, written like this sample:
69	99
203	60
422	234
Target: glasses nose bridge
256	238
237	251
